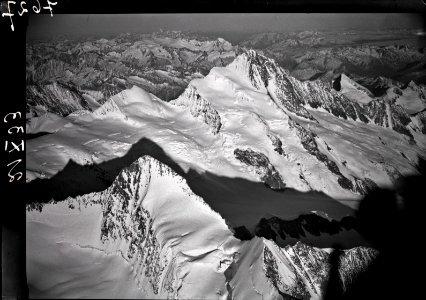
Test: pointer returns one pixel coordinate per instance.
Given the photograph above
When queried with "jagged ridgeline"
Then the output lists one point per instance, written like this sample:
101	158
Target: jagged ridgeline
67	75
174	244
252	159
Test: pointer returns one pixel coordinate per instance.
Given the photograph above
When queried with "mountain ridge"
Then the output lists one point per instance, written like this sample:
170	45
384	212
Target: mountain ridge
135	224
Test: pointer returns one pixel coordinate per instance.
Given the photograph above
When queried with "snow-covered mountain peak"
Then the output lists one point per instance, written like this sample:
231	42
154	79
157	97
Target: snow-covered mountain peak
353	90
108	109
182	147
284	132
171	244
134	95
140	172
256	68
199	107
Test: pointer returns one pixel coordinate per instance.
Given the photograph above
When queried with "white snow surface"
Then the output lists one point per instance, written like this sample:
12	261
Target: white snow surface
413	97
354	91
248	116
47	122
195	244
150	236
187	245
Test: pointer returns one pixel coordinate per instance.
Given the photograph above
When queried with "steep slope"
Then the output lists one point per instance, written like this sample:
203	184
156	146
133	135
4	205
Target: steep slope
352	90
58	98
250	120
264	270
254	92
164	242
170	238
248	150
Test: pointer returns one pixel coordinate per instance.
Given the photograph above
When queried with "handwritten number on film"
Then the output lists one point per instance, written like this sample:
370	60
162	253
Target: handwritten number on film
36	8
11	147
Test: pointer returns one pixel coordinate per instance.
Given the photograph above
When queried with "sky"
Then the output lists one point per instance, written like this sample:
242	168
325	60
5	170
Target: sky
73	26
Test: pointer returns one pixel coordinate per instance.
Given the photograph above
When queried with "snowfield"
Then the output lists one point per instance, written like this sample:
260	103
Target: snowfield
224	112
246	142
138	239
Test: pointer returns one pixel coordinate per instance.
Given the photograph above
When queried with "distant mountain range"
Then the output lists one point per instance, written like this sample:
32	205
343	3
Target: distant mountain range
200	169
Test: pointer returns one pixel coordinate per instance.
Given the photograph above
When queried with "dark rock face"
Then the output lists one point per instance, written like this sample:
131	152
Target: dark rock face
277	144
299	291
199	107
288	98
354	262
140	233
293	95
364	186
378	114
316	262
126	221
313	224
59	98
318	94
209	114
264	72
400	119
267	172
312	268
307	139
376	110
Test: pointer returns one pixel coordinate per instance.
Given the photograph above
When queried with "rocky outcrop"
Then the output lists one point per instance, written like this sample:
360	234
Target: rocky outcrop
294	96
167	61
364	186
133	226
265	75
291	94
320	95
307	138
127	227
199	107
59	98
296	291
262	167
315	263
389	115
293	272
135	209
305	224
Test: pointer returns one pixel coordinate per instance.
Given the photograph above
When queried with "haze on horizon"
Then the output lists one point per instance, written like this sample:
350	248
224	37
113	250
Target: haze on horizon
232	26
